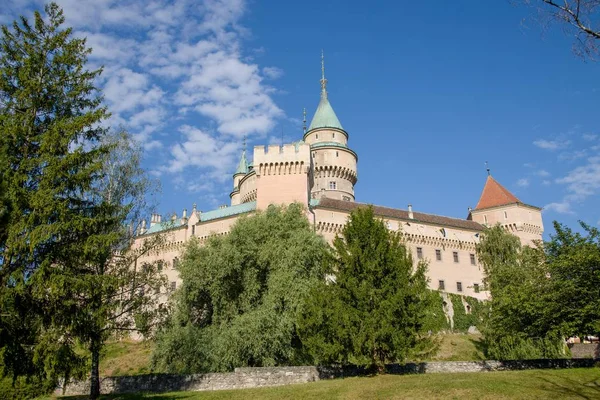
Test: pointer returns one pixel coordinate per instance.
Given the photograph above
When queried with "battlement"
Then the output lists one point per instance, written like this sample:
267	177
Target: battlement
282	160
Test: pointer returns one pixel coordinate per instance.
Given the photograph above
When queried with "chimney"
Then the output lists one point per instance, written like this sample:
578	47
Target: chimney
410	213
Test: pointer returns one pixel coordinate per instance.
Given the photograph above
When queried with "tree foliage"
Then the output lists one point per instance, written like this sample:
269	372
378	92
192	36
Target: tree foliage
373	310
69	189
241	294
573	261
519	323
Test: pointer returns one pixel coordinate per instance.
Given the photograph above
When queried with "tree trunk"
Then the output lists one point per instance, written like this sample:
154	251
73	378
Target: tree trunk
95	376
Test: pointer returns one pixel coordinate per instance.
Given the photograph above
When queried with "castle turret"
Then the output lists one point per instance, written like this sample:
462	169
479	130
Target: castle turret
240	172
333	162
497	205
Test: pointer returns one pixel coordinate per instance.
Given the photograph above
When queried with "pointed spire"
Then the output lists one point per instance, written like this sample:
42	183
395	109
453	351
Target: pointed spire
487	168
325	116
243	164
304	119
494	195
323	80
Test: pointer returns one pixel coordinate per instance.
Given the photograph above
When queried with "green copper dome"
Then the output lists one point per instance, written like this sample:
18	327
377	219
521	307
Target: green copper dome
325	116
242	167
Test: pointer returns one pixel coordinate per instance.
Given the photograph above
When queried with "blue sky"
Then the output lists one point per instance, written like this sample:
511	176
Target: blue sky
428	91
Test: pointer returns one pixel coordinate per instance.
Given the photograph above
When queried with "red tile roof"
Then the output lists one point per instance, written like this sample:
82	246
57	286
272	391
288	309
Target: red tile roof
401	214
494	195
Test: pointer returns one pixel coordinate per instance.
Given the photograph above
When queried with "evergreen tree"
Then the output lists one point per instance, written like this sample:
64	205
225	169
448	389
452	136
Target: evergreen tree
241	295
67	195
373	309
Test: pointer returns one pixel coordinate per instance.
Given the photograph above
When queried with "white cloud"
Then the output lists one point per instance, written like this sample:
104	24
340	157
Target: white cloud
272	72
543	173
523	182
561	208
573	155
201	149
551	144
589	137
583	181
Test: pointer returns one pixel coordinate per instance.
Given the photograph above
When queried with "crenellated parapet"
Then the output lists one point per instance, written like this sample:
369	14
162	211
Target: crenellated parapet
290	159
282	174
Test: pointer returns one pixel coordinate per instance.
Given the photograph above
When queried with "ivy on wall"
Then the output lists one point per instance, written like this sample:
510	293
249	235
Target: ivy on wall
438	320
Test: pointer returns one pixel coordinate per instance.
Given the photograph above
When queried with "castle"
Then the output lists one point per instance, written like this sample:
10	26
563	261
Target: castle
320	171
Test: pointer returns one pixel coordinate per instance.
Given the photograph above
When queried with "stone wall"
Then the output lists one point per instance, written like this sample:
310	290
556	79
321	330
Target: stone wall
243	378
585	350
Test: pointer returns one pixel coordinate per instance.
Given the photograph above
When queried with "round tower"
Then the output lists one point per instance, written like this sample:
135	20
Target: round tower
333	162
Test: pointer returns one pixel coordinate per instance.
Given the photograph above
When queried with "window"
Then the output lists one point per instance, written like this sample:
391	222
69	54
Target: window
459	286
505	215
485	219
476	287
317	136
438	254
193	230
175	263
455	256
332	185
441	285
159	265
337	153
472	256
333	136
420	253
173	286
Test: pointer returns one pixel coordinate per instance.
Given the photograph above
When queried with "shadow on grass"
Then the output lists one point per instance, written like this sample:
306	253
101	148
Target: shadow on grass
135	396
480	345
571	387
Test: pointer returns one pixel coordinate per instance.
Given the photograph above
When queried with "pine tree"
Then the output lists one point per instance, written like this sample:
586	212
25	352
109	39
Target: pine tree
373	310
68	274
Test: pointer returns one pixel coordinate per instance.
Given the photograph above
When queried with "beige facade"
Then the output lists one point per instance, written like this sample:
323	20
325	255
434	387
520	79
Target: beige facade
320	172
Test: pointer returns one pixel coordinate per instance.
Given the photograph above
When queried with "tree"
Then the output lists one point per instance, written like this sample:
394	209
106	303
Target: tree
519	323
241	295
373	310
574	269
69	190
579	17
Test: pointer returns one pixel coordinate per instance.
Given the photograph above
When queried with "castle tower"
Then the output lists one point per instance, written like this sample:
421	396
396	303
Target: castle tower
240	172
333	162
282	174
499	206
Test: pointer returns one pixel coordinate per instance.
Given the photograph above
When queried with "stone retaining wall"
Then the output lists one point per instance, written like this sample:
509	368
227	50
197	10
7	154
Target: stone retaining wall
243	378
585	350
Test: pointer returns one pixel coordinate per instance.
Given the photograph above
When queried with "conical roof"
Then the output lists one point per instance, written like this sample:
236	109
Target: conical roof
494	195
325	116
242	167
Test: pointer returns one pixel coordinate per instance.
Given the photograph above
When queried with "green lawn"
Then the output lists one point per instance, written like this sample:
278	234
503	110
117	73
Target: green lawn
538	384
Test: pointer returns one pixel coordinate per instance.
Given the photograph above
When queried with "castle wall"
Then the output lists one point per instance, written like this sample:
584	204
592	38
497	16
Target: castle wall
429	238
523	221
282	174
326	135
248	188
